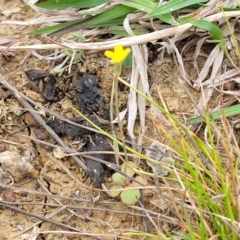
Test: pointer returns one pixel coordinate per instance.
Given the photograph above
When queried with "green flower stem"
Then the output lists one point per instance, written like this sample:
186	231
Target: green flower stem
117	72
113	126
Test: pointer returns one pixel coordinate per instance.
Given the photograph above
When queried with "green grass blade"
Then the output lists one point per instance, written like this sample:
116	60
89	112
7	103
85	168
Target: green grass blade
149	6
142	5
114	22
186	19
64	4
71	26
55	28
227	112
230	9
111	17
213	29
174	5
168	18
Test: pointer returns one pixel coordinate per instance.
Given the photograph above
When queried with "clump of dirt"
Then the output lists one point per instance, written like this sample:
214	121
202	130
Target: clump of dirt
43	83
18	164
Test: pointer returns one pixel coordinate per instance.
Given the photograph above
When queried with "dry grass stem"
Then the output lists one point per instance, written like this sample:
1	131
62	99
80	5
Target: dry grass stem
125	42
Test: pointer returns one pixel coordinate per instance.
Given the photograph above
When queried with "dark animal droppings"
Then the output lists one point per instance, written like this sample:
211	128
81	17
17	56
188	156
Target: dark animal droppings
88	93
42	82
63	128
94	168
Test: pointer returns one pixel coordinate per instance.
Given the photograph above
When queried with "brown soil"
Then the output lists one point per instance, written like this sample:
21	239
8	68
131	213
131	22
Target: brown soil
39	168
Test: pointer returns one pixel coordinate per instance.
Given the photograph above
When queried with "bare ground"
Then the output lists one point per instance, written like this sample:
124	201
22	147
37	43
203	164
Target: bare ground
35	171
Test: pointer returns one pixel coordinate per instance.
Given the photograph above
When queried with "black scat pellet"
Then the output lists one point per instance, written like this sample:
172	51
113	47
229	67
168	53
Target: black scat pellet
95	171
94	168
88	93
63	128
43	83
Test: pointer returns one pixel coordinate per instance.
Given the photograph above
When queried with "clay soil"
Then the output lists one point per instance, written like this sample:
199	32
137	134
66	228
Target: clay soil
34	171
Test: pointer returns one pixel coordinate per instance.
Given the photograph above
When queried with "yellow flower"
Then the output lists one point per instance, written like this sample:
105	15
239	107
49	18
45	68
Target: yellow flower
118	55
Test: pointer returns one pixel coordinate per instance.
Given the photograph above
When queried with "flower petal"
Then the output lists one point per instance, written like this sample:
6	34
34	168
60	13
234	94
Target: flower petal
118	55
109	54
118	50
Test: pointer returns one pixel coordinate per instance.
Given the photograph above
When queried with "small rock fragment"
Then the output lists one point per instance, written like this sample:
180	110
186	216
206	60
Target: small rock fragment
29	120
9	196
5	177
40	134
4	93
58	153
17	165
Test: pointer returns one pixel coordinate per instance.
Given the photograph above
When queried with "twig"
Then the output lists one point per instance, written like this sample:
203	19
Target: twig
144	219
74	153
40	217
62	166
60	204
49	195
47	219
163	216
79	207
37	223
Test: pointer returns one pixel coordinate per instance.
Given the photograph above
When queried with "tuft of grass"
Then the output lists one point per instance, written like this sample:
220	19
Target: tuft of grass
101	15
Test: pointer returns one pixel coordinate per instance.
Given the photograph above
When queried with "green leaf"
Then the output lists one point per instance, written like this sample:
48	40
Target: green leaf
174	5
148	6
142	5
64	4
119	179
79	36
130	196
60	70
213	29
141	180
127	168
213	41
111	17
55	28
113	22
168	18
115	191
68	52
186	18
128	61
227	112
230	9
